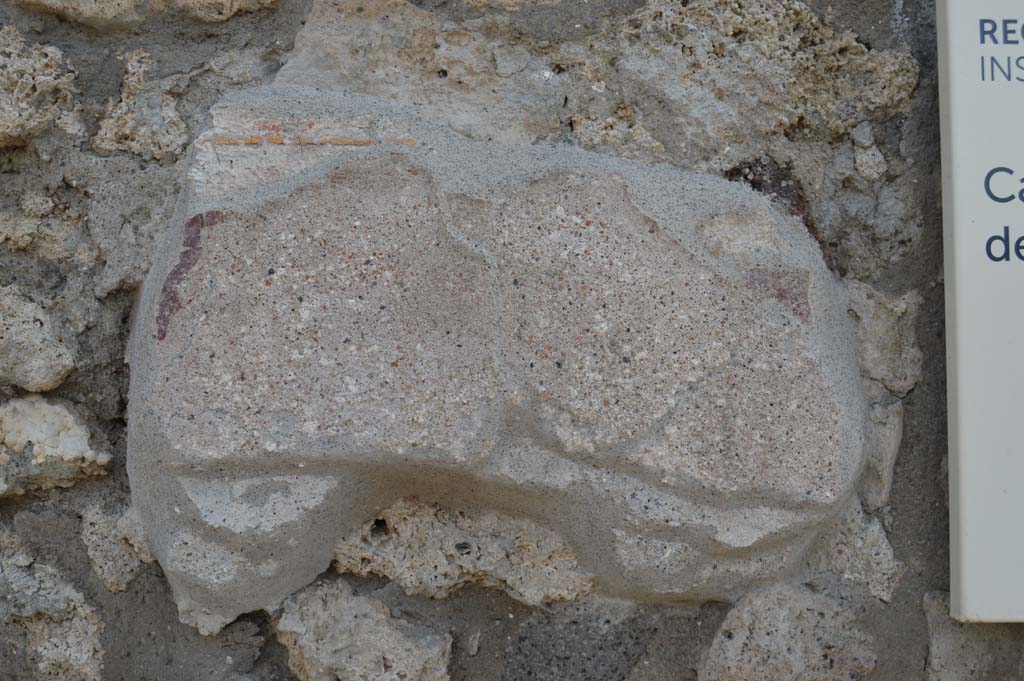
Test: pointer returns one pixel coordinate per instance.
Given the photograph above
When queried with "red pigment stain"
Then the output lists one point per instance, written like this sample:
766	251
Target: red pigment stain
789	288
191	249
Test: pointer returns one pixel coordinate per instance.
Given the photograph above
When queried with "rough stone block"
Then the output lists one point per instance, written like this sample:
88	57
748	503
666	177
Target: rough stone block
31	355
42	446
788	633
62	631
357	306
333	635
36	88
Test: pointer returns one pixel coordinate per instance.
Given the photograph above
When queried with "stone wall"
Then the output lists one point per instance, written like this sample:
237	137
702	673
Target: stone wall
474	339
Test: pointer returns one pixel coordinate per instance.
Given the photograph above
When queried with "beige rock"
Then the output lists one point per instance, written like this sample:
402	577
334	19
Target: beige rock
871	164
62	630
144	121
53	234
116	14
788	633
32	357
36	88
706	83
332	634
42	445
656	367
116	545
863	135
36	204
432	552
95	13
886	345
216	10
884	435
858	550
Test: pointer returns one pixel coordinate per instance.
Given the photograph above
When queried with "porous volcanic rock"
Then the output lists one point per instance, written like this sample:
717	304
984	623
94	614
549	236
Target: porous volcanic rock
789	633
655	366
334	635
60	630
32	356
36	88
42	446
120	14
431	552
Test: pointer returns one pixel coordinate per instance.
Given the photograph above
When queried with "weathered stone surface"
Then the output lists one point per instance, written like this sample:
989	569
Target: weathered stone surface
62	632
432	552
31	356
96	13
216	10
969	651
109	14
857	550
886	337
116	545
655	366
870	163
332	634
884	433
788	633
50	232
144	120
36	88
43	445
708	83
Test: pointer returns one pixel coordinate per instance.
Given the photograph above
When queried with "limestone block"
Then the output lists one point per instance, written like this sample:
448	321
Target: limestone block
706	83
216	10
119	14
332	634
884	433
36	88
95	13
43	445
858	550
871	164
655	367
886	336
62	630
116	545
32	357
788	633
144	120
54	234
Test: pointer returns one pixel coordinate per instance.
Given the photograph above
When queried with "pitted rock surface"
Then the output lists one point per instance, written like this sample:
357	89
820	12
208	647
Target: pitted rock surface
431	552
357	306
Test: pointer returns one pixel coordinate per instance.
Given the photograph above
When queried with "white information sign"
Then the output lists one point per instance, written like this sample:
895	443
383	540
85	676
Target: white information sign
981	61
